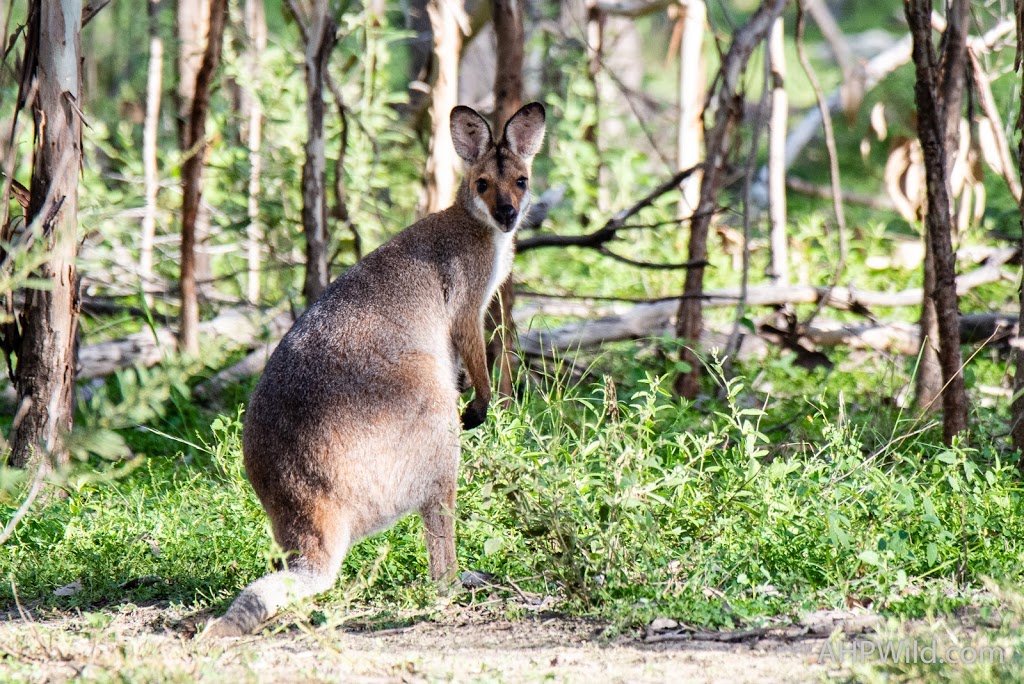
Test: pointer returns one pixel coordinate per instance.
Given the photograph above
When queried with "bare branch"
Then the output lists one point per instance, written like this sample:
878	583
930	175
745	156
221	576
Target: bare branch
609	230
632	8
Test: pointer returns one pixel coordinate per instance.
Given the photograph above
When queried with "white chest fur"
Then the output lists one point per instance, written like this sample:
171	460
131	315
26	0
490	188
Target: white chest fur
504	252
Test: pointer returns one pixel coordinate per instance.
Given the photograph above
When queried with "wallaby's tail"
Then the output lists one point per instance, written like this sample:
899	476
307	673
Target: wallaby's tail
266	596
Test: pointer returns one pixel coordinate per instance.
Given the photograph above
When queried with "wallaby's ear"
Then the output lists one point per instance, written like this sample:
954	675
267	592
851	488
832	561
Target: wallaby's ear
524	132
470	133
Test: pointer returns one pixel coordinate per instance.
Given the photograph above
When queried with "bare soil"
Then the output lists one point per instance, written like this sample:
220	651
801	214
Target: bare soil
459	644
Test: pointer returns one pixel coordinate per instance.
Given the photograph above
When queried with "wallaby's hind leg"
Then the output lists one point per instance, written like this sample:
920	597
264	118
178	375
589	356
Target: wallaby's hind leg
439	528
305	576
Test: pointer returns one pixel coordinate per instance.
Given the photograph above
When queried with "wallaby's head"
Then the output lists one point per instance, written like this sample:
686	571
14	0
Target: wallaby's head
496	185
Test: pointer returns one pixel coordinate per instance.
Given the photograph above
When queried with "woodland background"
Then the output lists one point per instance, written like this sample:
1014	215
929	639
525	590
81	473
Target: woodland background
718	405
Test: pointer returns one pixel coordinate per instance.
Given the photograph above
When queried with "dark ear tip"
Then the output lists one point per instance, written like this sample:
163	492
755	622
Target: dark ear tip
537	107
462	109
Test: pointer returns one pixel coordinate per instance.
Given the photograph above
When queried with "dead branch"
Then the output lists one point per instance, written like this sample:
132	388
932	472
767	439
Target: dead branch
999	159
608	232
252	364
632	8
655	320
232	327
91	9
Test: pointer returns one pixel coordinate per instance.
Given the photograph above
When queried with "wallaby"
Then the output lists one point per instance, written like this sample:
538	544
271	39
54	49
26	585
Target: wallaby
355	421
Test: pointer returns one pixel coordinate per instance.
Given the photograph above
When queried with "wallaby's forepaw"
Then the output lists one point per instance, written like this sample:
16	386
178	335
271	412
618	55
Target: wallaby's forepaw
474	416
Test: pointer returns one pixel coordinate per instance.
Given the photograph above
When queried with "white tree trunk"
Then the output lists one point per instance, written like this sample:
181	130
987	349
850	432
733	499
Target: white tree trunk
45	371
154	84
777	157
256	32
447	19
692	93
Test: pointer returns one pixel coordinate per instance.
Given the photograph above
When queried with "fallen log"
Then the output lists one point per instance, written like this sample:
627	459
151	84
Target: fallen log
252	364
247	327
232	327
655	320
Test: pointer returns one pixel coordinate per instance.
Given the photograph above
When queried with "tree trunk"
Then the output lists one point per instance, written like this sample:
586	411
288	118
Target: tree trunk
693	19
938	95
149	144
192	26
320	39
690	321
928	375
192	179
256	33
777	125
508	98
45	372
446	20
1017	408
592	134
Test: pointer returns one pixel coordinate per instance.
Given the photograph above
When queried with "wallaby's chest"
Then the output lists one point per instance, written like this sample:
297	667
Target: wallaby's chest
501	266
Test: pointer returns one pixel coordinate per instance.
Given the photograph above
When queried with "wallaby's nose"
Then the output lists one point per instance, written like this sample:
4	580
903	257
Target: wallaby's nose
505	213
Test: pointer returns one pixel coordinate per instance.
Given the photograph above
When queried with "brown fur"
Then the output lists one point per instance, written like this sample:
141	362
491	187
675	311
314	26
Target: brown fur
355	421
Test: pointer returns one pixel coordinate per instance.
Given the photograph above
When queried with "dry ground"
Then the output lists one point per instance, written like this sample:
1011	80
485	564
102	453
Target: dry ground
459	644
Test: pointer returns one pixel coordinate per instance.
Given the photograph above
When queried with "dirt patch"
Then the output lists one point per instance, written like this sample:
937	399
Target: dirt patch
459	644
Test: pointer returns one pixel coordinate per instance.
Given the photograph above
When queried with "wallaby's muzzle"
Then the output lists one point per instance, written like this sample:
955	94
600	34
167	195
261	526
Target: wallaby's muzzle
505	215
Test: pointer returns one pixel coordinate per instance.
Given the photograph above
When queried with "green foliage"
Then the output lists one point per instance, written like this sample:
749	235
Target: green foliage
625	506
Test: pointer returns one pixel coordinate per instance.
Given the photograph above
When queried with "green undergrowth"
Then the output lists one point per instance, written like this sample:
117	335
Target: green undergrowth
625	504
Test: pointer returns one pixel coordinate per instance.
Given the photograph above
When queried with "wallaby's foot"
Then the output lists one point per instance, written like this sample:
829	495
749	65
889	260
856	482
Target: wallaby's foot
222	628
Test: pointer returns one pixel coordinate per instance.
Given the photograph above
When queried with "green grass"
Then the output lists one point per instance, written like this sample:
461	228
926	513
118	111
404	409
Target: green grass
623	504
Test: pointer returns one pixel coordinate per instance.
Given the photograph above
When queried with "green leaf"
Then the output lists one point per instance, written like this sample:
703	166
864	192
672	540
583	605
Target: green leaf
869	557
492	546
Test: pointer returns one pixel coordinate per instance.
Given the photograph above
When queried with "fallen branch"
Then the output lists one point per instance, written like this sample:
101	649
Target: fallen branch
233	327
653	318
656	320
631	8
252	364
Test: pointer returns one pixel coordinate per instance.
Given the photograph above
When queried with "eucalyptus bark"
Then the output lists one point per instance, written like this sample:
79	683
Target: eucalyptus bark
192	178
938	93
447	18
777	125
320	40
256	34
1017	407
192	27
693	19
690	320
45	373
508	98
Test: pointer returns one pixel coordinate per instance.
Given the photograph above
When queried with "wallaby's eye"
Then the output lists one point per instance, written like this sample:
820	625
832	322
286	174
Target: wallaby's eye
481	186
521	182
